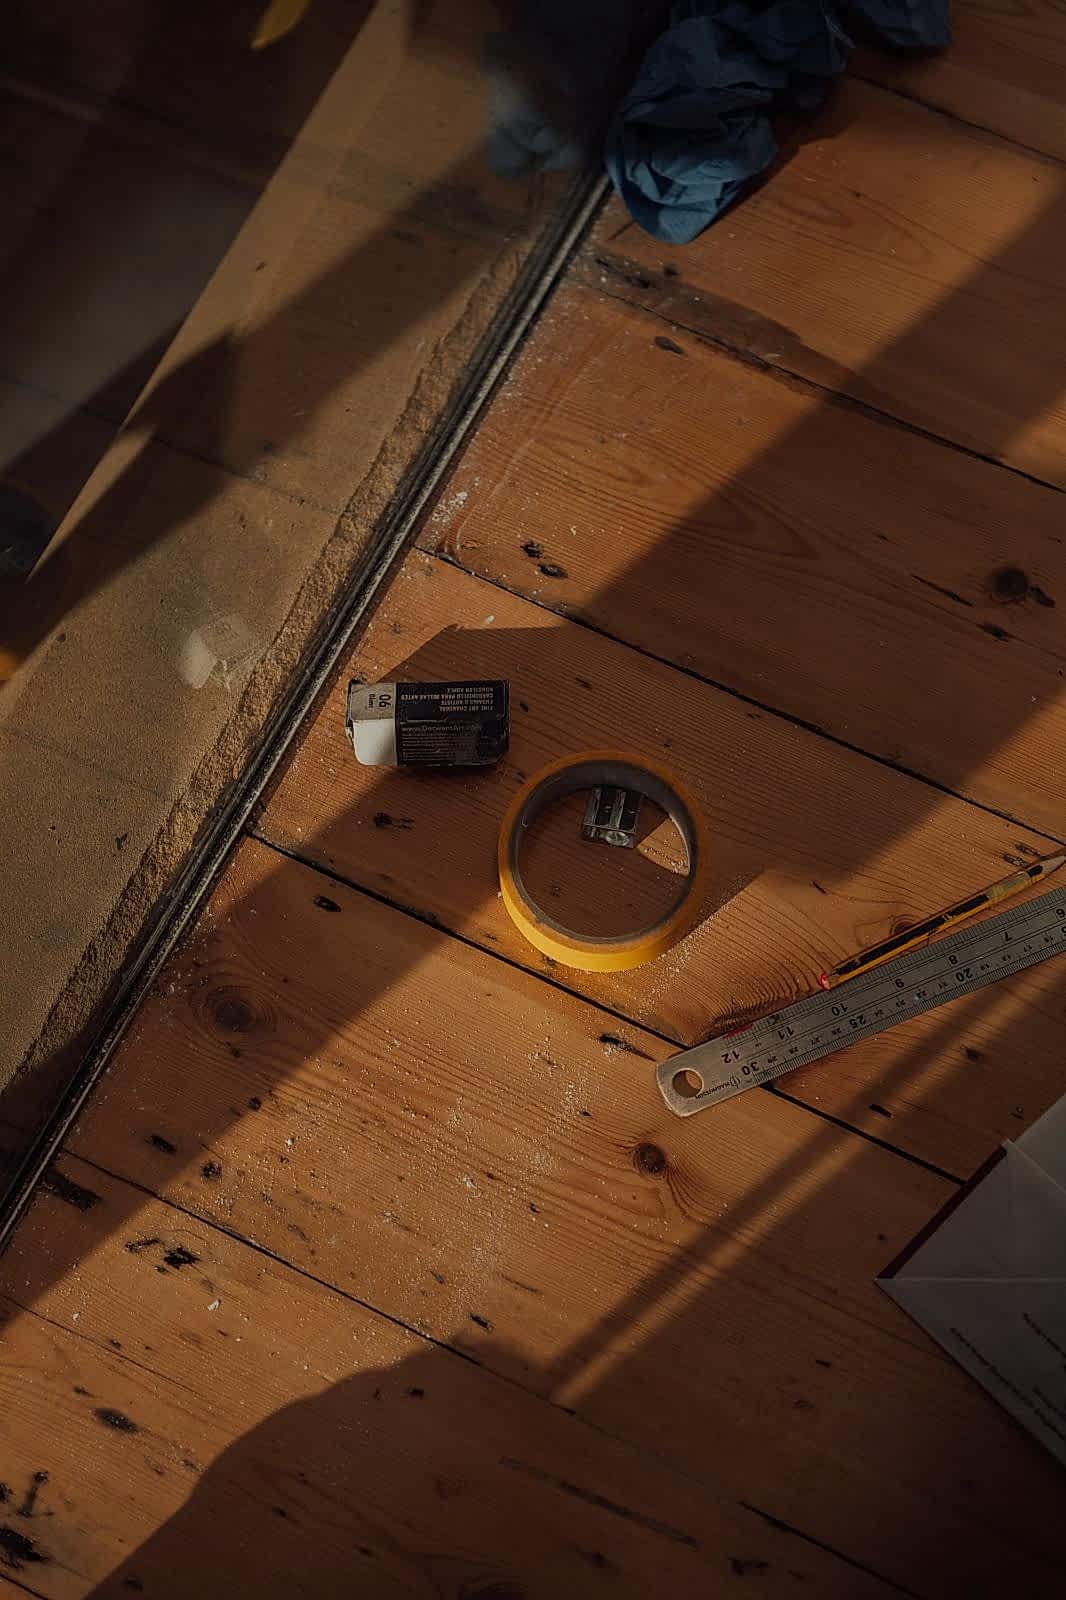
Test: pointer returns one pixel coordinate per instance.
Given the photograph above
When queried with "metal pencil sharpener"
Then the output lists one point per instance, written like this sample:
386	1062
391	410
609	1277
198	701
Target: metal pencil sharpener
611	816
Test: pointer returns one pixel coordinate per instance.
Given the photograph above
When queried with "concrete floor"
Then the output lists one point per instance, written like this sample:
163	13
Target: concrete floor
281	263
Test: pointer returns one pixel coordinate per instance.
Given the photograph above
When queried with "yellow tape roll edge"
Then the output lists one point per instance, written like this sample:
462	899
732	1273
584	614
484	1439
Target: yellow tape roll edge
615	953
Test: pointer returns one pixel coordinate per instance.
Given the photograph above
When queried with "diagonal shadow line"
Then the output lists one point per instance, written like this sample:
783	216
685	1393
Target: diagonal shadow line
196	403
944	1457
210	387
237	145
192	407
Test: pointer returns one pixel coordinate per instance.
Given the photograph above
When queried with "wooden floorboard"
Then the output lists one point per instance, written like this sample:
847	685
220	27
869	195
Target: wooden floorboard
898	257
1004	71
217	1401
814	851
635	476
455	1143
17	1591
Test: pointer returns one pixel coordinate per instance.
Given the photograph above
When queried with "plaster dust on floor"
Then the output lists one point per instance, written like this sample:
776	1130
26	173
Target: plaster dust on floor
232	509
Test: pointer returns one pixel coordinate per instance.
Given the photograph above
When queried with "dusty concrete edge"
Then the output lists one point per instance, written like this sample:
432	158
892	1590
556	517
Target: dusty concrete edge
501	309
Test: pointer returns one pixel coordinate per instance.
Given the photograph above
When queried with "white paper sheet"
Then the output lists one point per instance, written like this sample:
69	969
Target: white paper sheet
989	1281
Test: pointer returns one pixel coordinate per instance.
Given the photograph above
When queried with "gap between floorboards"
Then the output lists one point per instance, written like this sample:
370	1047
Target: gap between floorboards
439	1344
619	265
430	920
765	706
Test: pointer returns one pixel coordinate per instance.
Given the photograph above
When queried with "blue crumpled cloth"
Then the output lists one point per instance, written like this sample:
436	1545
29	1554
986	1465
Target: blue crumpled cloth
695	129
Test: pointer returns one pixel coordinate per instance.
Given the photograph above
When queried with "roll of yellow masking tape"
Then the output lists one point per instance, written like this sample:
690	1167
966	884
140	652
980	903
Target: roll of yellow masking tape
615	952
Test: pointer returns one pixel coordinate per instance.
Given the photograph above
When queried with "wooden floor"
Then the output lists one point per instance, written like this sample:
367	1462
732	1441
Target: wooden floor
376	1266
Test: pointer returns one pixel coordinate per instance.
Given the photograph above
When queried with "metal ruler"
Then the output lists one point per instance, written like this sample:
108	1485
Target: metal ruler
832	1019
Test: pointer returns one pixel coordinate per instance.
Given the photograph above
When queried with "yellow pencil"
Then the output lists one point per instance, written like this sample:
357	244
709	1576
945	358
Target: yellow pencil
950	918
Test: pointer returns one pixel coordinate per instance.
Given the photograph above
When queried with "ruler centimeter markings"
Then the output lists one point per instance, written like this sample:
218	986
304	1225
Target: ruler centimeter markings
832	1019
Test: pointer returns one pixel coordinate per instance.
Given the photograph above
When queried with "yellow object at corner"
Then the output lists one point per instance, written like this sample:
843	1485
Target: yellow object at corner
279	18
